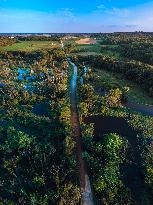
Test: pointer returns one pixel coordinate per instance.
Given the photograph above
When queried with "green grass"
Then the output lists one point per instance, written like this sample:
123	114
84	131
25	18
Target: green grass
111	53
97	49
110	50
70	41
88	48
113	80
29	46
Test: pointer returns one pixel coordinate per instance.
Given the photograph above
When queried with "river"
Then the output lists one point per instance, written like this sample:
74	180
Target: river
86	193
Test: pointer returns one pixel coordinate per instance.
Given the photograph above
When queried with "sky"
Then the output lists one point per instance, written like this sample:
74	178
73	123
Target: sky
47	16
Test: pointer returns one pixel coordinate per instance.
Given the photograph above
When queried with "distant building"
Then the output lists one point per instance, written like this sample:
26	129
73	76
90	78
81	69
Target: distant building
11	37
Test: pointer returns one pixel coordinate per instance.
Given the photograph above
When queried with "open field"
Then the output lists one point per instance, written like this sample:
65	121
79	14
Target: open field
29	46
96	49
86	49
86	41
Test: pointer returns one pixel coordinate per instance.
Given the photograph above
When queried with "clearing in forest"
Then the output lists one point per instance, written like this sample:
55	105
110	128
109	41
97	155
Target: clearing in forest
86	41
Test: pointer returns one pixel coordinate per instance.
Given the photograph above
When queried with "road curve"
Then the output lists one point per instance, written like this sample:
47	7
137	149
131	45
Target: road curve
86	193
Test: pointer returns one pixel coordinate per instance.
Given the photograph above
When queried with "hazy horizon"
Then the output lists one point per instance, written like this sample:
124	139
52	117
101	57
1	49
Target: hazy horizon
75	17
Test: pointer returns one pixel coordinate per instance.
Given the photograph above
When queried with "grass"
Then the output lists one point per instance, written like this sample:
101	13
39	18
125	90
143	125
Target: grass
111	53
29	46
96	49
88	48
113	80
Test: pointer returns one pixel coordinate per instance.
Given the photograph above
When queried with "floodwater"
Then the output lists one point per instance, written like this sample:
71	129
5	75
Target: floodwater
105	124
24	74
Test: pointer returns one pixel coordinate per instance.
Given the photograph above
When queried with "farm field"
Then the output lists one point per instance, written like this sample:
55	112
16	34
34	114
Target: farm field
96	49
86	41
29	46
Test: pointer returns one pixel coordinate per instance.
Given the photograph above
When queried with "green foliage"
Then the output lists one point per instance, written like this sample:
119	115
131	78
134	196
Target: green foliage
104	160
17	139
112	145
35	199
107	159
109	182
39	181
71	195
69	48
113	98
138	72
70	145
86	92
149	176
141	51
38	165
37	159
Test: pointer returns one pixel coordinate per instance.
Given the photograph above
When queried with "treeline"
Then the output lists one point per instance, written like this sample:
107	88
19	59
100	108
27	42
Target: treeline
138	51
6	41
38	38
30	57
138	72
125	38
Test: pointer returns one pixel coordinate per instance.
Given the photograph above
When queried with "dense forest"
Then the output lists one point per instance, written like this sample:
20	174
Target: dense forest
37	166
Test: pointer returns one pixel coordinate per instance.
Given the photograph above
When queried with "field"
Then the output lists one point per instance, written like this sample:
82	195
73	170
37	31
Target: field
86	41
87	49
29	46
96	49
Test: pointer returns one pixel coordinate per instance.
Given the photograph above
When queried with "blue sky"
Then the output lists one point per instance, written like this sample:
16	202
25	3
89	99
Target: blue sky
75	15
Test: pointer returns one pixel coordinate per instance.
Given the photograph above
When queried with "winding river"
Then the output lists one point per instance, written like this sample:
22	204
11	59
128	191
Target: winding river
87	197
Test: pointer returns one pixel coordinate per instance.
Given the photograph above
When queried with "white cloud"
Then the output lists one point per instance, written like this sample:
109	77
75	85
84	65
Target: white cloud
66	12
135	18
101	6
121	12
